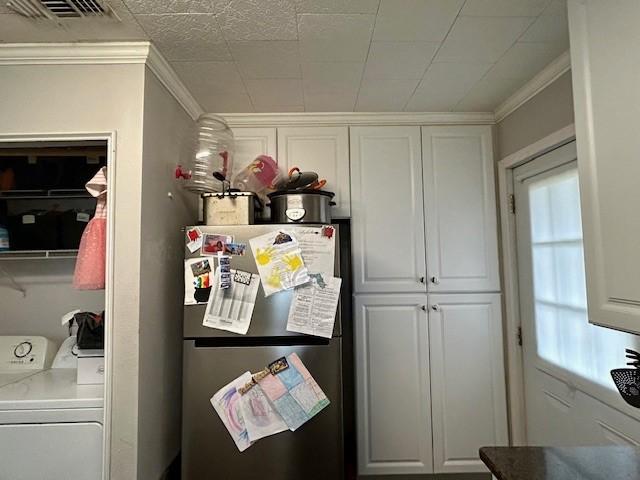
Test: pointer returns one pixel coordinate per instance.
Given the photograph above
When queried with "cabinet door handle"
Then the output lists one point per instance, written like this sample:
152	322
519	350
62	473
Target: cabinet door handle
422	280
435	280
435	307
424	308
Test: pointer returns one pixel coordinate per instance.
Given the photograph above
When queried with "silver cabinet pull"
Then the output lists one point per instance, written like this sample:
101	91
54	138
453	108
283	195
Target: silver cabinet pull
435	280
423	307
422	280
435	307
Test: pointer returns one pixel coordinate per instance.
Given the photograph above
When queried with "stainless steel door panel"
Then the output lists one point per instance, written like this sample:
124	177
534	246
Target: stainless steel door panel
270	313
314	451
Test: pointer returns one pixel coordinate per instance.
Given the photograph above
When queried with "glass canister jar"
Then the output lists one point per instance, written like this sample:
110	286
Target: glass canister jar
212	161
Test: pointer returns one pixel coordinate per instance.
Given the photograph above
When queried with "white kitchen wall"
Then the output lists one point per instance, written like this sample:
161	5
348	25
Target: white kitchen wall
550	110
168	131
50	294
47	99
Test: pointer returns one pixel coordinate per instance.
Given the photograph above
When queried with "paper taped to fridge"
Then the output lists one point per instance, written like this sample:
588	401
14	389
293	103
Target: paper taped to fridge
226	403
279	261
314	305
231	308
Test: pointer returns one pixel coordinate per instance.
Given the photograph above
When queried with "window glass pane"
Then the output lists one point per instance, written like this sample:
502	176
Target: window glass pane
544	278
564	335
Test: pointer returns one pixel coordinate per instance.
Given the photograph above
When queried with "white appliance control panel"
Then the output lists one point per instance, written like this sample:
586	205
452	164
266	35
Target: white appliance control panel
24	353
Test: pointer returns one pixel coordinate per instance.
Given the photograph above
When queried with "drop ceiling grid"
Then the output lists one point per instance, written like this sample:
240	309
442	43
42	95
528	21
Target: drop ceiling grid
335	55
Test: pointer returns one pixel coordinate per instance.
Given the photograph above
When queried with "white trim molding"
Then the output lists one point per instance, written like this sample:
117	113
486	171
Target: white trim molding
356	118
542	80
169	78
514	364
103	53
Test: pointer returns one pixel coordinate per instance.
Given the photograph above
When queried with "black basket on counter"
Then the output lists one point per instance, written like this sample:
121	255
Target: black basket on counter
627	380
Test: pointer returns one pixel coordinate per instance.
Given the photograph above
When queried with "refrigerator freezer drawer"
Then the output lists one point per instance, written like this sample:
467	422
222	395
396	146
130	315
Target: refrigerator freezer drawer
315	451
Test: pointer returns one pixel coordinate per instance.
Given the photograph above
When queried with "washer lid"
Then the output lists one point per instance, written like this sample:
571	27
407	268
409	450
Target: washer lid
7	378
55	388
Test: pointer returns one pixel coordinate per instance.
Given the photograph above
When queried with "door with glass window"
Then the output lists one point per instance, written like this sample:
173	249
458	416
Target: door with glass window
570	398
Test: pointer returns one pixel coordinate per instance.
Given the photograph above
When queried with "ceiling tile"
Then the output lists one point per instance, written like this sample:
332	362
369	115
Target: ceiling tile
326	38
107	28
384	95
444	85
186	37
16	28
556	7
504	8
267	59
337	6
259	20
329	102
549	28
481	39
332	77
176	6
280	108
415	20
399	59
488	93
217	86
268	93
525	60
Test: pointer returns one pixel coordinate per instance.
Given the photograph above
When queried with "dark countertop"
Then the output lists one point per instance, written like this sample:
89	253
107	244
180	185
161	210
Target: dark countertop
569	463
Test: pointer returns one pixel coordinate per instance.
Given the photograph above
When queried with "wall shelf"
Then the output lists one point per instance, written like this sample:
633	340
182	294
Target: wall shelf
37	254
43	194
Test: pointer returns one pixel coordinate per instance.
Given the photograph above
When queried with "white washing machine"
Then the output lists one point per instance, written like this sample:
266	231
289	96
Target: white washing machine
50	427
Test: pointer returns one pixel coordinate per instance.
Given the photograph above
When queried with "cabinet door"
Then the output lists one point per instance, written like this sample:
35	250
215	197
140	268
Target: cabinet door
607	107
324	150
460	205
467	379
392	384
387	210
251	142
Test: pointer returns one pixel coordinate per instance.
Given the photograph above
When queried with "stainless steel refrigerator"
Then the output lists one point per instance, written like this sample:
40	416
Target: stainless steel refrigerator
320	449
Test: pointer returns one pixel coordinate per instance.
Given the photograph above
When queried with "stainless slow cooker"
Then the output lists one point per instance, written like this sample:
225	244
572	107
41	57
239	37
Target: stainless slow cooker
301	206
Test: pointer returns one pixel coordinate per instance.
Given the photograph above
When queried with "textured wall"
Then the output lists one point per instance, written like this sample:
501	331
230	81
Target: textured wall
42	99
166	142
549	111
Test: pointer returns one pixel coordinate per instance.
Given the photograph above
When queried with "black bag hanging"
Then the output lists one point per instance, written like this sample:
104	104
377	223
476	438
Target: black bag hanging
90	334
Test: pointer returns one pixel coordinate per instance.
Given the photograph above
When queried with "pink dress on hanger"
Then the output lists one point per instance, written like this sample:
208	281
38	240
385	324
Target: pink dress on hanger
90	265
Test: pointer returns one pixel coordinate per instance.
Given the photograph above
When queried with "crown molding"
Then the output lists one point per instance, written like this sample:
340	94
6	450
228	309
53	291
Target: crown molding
356	118
73	53
102	53
542	80
168	77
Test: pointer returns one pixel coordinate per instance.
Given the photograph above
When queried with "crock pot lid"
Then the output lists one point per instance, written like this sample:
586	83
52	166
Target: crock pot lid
307	191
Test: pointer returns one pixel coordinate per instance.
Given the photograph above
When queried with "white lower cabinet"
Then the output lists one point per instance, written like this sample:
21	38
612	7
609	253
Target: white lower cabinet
467	379
392	384
430	385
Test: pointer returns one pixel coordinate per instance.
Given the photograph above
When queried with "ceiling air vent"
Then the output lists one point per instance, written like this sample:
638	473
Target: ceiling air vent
53	9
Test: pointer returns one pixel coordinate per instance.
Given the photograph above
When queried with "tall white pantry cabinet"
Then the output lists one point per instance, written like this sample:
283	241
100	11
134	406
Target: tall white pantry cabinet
430	384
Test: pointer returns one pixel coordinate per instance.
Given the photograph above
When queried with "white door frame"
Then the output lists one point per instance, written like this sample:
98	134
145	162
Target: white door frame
514	366
110	138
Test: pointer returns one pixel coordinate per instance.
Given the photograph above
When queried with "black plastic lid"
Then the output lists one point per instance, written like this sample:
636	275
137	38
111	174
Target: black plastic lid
307	191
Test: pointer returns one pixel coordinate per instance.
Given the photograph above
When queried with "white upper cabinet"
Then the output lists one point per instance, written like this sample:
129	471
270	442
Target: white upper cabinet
467	379
324	150
251	142
392	384
387	210
460	209
605	41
